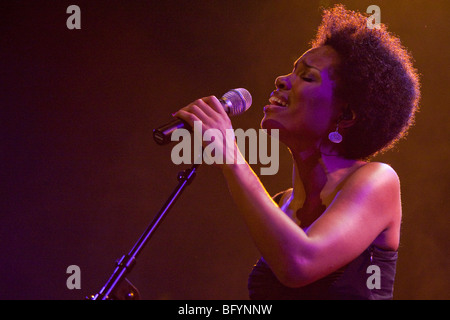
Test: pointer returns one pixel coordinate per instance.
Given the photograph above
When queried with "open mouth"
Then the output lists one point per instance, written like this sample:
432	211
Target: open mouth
278	102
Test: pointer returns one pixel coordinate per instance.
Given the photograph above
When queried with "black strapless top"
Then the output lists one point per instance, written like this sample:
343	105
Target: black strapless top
355	281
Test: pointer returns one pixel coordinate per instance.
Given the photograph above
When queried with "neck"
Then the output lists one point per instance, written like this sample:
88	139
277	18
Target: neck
313	171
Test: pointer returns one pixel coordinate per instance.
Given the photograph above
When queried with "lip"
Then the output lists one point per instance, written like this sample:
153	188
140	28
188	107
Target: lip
273	108
278	99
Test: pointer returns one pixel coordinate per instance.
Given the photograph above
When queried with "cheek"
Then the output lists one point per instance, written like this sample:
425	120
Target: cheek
319	97
319	108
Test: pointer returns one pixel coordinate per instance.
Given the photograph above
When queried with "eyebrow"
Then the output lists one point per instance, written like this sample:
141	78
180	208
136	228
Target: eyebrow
306	65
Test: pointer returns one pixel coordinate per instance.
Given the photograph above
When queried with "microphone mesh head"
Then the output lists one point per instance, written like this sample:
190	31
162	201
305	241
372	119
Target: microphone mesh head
240	100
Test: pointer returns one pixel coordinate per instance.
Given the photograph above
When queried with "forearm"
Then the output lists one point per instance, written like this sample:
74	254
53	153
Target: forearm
280	241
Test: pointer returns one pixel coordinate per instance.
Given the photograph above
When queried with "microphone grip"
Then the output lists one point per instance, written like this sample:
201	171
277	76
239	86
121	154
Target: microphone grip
162	135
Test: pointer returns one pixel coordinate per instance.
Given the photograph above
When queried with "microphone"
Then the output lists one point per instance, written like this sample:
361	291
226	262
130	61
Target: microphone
234	102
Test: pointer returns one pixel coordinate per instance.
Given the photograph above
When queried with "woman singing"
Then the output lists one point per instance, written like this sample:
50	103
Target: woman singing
351	96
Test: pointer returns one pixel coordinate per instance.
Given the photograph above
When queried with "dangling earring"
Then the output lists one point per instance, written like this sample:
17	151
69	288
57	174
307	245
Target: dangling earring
335	136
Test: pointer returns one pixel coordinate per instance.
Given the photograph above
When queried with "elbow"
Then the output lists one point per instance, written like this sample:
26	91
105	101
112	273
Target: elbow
294	280
294	275
294	268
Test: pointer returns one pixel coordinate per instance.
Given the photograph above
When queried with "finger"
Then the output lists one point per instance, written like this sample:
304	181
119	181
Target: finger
187	117
215	104
203	112
209	106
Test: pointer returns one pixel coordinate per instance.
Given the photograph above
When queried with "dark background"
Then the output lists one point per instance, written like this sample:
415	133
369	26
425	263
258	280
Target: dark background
82	177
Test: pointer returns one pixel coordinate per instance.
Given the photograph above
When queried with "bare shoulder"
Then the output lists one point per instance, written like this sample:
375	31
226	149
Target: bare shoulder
375	187
281	197
286	195
384	185
377	175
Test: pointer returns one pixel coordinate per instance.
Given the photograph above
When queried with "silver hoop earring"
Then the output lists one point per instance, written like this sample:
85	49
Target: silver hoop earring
335	136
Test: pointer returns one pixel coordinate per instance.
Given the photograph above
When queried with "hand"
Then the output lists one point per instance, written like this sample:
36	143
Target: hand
216	129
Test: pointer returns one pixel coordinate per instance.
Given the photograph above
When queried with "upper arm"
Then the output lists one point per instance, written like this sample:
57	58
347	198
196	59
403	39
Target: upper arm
367	204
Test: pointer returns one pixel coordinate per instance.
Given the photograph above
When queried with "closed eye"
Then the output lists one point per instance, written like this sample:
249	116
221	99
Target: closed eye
307	79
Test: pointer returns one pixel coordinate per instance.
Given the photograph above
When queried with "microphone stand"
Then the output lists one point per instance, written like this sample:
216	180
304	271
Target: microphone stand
115	288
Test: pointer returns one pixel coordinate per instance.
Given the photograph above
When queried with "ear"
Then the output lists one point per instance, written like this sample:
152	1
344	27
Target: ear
347	118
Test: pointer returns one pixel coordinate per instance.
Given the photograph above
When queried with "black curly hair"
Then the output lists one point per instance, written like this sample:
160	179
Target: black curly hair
376	78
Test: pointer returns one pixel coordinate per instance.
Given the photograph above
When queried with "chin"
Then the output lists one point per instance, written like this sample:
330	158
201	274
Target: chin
270	124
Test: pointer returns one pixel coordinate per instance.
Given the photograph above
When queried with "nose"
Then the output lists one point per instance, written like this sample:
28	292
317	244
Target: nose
283	82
